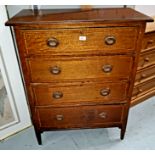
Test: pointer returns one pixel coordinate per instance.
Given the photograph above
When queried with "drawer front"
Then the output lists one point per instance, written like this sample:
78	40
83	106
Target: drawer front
81	68
62	95
146	73
144	87
80	41
147	59
148	41
76	117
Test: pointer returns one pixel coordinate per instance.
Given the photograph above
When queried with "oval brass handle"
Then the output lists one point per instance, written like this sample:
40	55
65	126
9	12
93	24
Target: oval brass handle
107	68
103	115
105	92
140	90
57	95
146	59
110	40
59	117
52	42
55	70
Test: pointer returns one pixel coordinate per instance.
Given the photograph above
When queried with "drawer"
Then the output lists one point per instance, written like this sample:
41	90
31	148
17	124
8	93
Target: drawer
146	59
108	67
77	117
80	41
148	41
144	74
75	94
144	87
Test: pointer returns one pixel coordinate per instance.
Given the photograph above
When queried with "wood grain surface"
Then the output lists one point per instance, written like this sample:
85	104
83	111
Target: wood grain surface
79	66
63	16
83	117
144	84
148	41
80	41
83	68
79	94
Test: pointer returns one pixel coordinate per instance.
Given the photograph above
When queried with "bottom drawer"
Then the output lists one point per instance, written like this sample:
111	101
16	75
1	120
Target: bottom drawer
78	117
143	88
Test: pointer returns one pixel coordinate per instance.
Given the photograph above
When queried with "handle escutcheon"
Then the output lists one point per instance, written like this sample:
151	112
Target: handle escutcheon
52	42
55	70
57	95
103	115
146	59
59	117
143	75
105	92
110	40
140	90
107	68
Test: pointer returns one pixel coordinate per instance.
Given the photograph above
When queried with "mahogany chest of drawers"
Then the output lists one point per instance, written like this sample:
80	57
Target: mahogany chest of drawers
79	66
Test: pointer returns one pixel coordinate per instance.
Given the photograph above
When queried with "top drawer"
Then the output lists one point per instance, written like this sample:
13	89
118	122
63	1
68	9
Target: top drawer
80	41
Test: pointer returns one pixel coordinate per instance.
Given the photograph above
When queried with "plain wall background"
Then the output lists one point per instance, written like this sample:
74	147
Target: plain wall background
13	9
146	9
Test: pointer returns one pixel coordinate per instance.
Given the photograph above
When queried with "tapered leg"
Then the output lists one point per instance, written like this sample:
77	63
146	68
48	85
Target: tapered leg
123	129
122	134
124	122
38	136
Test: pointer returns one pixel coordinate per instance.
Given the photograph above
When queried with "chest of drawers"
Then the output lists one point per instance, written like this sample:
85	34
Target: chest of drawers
144	86
79	66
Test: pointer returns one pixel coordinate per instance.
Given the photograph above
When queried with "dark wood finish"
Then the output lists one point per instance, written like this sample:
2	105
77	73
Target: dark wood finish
79	66
38	135
88	67
84	116
63	16
80	94
80	41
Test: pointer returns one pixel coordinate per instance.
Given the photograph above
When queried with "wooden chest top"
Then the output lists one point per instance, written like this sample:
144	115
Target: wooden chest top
69	16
